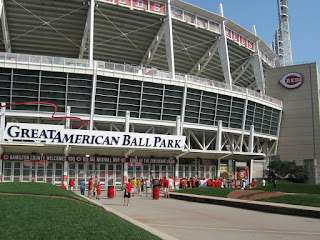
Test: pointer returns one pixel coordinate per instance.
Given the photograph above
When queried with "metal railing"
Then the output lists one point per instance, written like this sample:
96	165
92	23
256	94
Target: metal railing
130	69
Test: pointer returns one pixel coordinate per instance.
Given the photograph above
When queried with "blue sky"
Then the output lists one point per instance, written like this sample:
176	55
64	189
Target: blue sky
304	20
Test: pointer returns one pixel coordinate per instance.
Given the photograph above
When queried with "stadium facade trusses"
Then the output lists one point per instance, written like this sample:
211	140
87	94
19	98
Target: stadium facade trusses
170	35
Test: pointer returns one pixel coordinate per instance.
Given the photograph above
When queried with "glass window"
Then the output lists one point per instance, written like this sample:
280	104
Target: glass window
26	172
49	173
58	173
190	18
176	13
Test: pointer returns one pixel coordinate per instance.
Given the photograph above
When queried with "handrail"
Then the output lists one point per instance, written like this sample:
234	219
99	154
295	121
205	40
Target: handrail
131	69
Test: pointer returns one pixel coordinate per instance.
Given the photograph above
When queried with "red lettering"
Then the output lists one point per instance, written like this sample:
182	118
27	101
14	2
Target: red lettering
141	4
157	7
123	2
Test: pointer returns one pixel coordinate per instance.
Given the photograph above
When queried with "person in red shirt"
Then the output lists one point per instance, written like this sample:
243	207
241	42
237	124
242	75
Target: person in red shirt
216	182
166	188
235	184
193	183
90	187
213	184
98	187
219	184
209	183
127	193
161	183
180	185
254	183
71	184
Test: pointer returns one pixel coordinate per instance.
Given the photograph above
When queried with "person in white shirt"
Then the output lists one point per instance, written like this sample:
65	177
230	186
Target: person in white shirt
148	184
263	183
203	183
170	184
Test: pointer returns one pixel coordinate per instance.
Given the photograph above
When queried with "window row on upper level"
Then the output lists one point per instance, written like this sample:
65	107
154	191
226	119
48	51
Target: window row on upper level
114	96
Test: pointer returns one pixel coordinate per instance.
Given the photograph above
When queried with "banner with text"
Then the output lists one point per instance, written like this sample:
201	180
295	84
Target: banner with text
92	159
58	135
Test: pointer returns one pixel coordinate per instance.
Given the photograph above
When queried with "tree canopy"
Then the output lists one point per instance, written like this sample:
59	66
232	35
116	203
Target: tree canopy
287	169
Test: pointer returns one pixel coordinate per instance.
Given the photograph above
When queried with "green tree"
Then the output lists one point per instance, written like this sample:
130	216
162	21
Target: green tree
287	168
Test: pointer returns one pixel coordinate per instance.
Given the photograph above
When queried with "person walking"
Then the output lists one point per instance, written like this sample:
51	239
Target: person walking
90	187
98	187
148	184
127	193
82	186
166	188
134	186
171	184
71	184
139	185
263	182
254	183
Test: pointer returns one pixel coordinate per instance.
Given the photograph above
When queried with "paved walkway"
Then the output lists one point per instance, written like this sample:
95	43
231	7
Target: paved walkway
189	220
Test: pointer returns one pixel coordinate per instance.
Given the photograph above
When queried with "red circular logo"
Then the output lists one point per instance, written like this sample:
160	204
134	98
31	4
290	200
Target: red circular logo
291	80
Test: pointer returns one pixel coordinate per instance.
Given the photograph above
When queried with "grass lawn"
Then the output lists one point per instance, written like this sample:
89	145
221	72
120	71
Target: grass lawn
304	194
311	200
35	217
208	191
290	187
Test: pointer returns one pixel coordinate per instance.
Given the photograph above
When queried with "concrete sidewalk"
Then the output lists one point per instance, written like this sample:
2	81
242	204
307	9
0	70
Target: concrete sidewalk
296	210
176	219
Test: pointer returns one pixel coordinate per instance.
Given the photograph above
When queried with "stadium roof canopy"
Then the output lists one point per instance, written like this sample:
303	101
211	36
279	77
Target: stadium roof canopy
127	32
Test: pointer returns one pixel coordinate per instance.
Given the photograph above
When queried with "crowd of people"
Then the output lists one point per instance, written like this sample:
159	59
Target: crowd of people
218	182
135	186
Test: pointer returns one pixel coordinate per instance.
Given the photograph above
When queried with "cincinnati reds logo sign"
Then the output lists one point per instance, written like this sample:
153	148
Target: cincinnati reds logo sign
291	80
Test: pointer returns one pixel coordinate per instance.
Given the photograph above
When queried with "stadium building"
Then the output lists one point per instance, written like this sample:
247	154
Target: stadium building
115	89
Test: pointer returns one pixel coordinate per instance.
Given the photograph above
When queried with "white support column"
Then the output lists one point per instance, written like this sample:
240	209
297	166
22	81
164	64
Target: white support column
1	152
65	173
92	5
127	122
223	52
176	173
1	7
251	171
278	132
126	129
169	41
93	94
257	66
219	136
258	71
251	139
184	101
218	170
68	119
66	150
244	117
178	126
5	28
85	36
2	121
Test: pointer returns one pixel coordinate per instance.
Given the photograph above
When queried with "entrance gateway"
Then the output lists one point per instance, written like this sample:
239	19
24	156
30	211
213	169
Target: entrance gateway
109	171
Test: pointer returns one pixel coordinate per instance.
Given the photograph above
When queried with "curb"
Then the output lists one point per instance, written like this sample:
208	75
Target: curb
252	205
151	230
